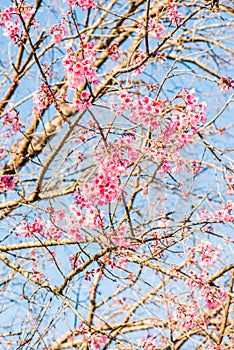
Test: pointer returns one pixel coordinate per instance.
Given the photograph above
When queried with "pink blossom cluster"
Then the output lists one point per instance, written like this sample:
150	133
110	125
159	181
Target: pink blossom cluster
194	115
196	167
103	189
148	342
85	215
226	83
173	14
58	31
7	182
121	238
75	261
44	97
142	110
11	26
83	102
84	4
95	339
153	25
176	131
50	231
113	51
208	255
197	280
11	119
78	65
218	347
28	229
136	59
214	297
112	159
223	215
37	275
187	317
180	129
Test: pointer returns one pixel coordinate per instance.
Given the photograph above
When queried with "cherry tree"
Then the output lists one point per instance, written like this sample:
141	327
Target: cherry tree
116	174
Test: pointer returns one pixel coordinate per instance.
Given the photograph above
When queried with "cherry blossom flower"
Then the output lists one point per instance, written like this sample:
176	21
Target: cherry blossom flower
153	26
148	343
113	51
29	229
214	297
98	340
227	83
78	65
187	317
173	14
84	4
58	31
7	182
10	22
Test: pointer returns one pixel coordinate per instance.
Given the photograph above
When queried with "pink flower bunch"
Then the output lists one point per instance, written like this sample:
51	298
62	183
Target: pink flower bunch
122	262
105	186
7	182
218	347
95	339
136	59
187	317
185	124
44	97
85	215
78	65
98	340
148	343
83	102
103	189
58	31
113	51
173	14
227	83
84	4
144	110
37	275
12	30
11	26
112	159
197	280
208	255
195	113
223	215
47	230
195	167
178	130
214	297
52	232
75	261
28	229
121	238
7	15
11	118
153	25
